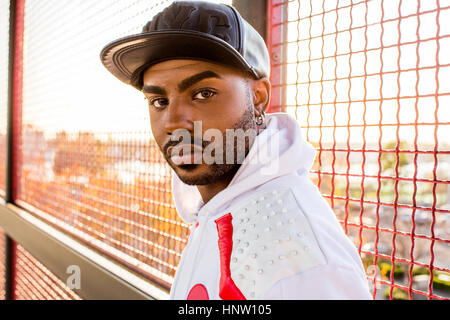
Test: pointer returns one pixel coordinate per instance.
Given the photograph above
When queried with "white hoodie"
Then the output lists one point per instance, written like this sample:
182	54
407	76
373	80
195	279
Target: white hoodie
269	234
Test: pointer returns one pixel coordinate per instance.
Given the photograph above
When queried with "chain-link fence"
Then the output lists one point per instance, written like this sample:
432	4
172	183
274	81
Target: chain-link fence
368	83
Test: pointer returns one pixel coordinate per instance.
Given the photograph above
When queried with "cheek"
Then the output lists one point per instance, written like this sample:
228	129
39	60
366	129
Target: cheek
230	108
157	129
156	119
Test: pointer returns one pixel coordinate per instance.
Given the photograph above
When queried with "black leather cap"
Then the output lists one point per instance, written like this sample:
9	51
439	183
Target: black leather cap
189	30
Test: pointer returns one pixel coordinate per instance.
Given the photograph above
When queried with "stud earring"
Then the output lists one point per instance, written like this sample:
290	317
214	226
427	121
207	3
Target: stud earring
261	118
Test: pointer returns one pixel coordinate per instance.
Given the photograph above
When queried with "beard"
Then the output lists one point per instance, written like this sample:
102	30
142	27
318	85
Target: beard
218	171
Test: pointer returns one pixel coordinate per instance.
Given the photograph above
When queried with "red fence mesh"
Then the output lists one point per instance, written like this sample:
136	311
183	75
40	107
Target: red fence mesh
87	162
2	264
368	83
365	79
85	167
33	281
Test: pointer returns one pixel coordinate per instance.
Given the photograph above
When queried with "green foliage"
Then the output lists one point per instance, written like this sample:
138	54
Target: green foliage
386	269
397	294
389	160
439	283
419	271
390	163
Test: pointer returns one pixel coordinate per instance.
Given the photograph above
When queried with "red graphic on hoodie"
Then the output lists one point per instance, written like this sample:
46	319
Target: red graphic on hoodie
198	292
227	288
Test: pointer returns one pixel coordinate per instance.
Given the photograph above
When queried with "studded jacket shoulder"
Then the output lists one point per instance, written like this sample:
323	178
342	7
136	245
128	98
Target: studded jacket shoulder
272	240
254	248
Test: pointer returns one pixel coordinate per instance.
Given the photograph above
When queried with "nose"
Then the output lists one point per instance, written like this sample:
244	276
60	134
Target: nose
178	116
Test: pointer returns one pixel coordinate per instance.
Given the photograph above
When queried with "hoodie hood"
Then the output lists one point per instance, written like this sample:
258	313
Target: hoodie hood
277	151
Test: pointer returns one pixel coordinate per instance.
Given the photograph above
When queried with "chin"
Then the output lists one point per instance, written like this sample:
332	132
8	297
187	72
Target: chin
201	175
198	175
192	174
197	180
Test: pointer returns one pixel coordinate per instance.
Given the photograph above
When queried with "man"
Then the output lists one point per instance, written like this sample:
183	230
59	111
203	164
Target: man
260	228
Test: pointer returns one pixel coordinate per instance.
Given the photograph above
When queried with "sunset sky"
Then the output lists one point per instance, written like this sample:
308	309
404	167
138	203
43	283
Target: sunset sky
67	88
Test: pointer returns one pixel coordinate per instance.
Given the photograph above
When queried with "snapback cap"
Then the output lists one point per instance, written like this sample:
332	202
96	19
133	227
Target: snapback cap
189	30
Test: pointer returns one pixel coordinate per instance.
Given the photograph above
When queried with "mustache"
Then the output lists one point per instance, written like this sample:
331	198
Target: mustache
195	141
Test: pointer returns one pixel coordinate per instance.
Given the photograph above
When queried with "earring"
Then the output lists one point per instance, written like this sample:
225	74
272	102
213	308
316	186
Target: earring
261	118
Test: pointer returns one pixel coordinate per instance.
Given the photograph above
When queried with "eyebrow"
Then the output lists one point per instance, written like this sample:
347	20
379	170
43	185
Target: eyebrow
183	85
186	83
153	89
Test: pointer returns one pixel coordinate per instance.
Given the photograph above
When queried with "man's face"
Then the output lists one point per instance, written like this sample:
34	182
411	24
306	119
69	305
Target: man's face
181	92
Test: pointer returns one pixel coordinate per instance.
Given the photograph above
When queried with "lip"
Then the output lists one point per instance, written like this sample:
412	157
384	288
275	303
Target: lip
193	149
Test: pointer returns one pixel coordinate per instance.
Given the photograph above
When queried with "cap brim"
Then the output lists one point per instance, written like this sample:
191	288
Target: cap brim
128	57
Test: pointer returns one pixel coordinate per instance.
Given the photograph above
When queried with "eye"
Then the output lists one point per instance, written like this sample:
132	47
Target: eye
158	103
204	94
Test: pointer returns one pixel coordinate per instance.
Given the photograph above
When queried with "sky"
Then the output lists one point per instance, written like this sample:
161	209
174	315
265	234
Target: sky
67	88
65	84
321	93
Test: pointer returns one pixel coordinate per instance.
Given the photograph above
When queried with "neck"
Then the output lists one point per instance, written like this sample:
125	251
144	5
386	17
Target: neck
210	190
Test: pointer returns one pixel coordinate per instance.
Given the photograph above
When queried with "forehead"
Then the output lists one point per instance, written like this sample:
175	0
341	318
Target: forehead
179	68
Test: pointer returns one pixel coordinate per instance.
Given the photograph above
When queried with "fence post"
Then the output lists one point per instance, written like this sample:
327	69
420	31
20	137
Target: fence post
9	243
268	18
16	28
255	12
276	43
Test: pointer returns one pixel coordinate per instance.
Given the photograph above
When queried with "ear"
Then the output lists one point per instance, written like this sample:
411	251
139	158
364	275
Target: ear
261	90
